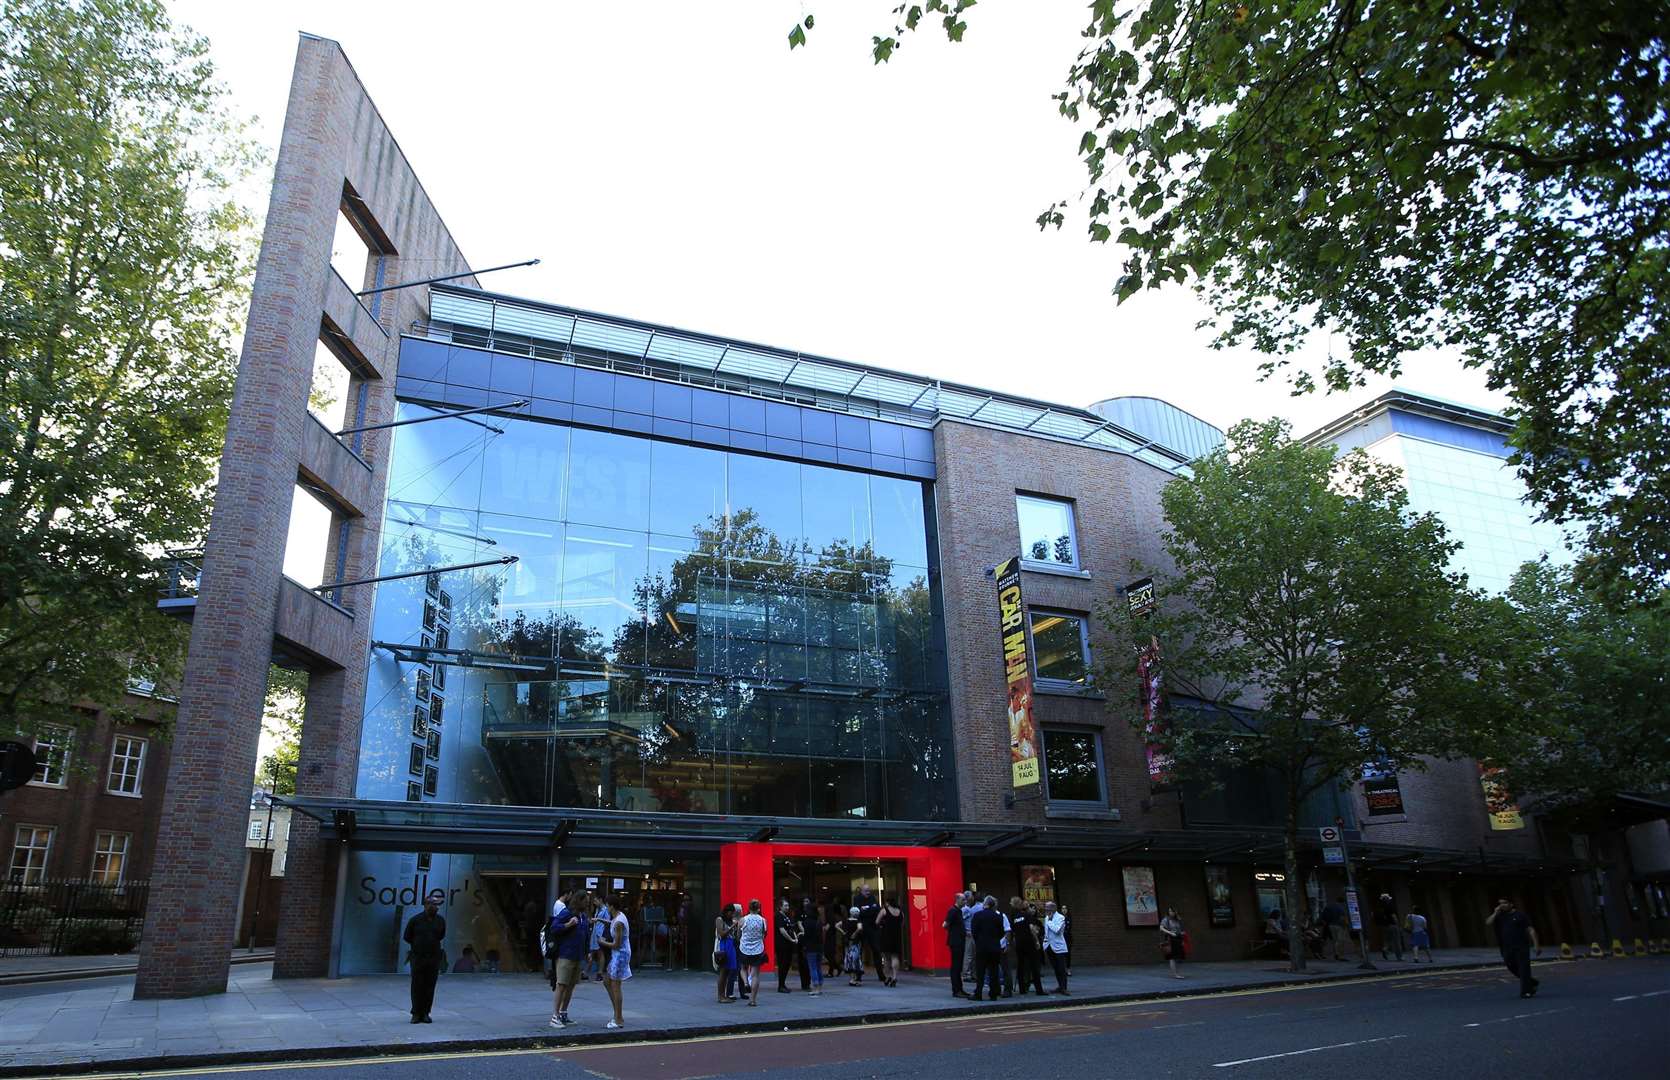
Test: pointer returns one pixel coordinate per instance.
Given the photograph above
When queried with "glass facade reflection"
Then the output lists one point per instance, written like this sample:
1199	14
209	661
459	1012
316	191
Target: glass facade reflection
684	629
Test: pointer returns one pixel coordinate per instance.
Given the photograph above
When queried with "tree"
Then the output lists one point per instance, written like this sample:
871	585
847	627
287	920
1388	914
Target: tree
123	255
1309	617
282	719
1489	176
1585	694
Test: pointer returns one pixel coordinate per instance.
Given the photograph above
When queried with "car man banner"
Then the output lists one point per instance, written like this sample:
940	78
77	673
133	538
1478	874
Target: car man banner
1499	801
1017	674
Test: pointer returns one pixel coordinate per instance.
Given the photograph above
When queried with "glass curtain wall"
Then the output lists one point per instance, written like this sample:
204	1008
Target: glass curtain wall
697	630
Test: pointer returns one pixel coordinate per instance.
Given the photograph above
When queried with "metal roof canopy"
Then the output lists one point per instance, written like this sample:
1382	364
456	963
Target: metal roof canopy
463	828
573	335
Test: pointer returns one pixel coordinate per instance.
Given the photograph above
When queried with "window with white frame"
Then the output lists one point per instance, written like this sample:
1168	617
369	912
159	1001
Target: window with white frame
1073	768
257	830
52	755
1048	537
1060	649
110	857
31	847
127	765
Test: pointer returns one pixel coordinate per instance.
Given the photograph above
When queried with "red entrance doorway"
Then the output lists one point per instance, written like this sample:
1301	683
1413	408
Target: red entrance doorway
932	878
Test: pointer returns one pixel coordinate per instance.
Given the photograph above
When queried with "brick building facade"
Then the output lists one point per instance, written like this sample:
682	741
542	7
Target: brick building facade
91	813
677	709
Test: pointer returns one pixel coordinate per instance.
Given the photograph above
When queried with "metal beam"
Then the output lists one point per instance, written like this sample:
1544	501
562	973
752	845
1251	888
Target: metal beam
439	415
448	277
501	560
1004	843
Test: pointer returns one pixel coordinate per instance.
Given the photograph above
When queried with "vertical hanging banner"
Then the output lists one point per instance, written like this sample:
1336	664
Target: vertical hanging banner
1017	674
1151	685
1498	800
1381	792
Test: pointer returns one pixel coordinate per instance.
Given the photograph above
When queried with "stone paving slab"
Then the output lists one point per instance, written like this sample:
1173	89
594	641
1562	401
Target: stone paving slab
62	1027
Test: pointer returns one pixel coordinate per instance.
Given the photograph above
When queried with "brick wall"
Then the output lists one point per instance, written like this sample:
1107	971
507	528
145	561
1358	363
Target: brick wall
334	142
83	807
1117	516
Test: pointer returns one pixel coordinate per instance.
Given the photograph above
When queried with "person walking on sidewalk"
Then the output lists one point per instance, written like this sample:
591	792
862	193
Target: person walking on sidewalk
852	948
890	925
811	945
956	937
1173	941
1516	937
424	934
869	910
1024	923
618	945
788	946
724	953
568	933
1419	937
1391	930
1055	944
750	949
1333	926
988	949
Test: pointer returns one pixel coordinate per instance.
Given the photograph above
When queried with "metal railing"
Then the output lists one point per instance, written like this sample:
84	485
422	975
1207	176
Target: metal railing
181	571
70	917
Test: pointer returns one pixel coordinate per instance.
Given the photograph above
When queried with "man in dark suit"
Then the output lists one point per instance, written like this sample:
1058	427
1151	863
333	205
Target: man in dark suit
424	934
955	940
987	928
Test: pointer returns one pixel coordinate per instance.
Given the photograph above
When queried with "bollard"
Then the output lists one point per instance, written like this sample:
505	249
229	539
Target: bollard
1594	951
1565	951
1617	948
1640	948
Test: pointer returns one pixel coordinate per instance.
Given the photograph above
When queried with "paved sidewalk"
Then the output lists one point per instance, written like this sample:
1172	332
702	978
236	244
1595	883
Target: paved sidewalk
16	969
259	1018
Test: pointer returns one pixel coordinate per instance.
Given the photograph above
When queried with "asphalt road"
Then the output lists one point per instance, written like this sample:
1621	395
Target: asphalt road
1592	1019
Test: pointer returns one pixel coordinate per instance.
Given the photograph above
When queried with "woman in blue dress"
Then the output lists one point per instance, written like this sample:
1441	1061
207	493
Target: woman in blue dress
724	953
617	943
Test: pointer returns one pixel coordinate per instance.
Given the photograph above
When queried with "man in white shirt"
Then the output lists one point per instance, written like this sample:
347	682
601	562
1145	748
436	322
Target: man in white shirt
1055	944
1008	955
969	910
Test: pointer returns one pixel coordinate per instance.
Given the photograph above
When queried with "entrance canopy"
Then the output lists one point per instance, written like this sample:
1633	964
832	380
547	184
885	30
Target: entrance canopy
379	825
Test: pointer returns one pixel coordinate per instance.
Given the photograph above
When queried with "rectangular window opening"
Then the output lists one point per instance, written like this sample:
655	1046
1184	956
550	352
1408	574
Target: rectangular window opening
351	254
127	765
308	541
332	393
110	857
1048	536
52	756
1060	649
1073	768
31	848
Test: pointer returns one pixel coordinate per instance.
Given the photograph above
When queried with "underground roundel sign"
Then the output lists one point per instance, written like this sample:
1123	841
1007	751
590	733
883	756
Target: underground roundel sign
1329	834
17	765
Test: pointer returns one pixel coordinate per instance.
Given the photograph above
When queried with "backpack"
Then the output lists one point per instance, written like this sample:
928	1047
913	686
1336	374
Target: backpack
549	933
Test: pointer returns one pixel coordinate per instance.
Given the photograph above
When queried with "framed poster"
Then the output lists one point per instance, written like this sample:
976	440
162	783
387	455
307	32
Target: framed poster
433	750
440	677
429	615
1270	887
1220	900
423	684
1142	903
437	705
431	779
1037	884
415	765
420	722
414	791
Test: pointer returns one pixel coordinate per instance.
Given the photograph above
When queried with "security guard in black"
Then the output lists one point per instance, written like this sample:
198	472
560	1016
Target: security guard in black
424	934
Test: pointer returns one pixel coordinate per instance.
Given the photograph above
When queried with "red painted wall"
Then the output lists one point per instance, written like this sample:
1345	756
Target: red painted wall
933	877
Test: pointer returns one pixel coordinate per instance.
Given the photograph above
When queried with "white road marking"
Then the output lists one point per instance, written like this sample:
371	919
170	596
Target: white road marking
1656	993
1307	1050
1191	1023
1627	997
1521	1016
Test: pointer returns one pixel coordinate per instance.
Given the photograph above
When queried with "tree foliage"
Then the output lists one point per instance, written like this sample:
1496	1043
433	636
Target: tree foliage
1486	176
1308	618
1584	712
122	259
281	718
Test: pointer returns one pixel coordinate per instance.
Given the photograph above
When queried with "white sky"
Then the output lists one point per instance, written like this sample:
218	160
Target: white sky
675	162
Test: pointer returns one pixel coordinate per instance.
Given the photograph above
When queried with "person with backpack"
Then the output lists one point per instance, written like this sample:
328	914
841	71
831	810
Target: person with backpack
566	938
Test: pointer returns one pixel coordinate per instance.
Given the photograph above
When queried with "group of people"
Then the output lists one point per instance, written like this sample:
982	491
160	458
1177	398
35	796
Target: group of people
586	928
815	942
1000	949
1327	933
